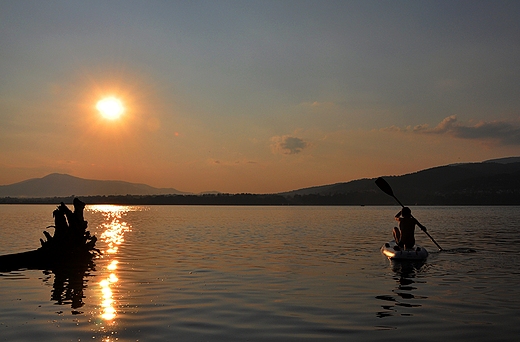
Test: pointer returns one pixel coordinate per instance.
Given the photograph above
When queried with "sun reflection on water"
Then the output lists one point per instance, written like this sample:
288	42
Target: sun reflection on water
109	312
113	231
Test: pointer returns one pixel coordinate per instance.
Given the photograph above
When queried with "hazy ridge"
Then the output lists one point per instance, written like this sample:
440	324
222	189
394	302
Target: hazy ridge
63	185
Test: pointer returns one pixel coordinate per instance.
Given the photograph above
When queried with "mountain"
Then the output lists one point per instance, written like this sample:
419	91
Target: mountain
489	182
62	185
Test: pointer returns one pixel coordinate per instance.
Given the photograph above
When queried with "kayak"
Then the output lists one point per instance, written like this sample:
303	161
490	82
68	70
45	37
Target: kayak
416	253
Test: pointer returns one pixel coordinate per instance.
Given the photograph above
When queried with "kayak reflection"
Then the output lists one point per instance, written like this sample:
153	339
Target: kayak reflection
406	277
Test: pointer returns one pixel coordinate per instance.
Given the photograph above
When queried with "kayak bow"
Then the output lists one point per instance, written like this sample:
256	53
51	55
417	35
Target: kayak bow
416	253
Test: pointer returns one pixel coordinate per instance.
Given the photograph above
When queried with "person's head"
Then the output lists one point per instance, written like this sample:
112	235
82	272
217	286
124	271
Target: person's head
406	212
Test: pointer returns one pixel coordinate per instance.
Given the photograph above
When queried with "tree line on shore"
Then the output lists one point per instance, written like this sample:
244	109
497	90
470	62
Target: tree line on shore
353	199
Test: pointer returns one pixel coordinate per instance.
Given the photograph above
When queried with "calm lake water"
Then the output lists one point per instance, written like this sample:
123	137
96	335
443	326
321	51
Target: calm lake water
199	273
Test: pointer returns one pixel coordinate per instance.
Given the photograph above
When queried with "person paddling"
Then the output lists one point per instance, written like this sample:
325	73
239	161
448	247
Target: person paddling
404	236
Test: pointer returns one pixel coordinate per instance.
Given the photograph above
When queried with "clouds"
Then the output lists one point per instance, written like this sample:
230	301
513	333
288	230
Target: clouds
287	144
499	131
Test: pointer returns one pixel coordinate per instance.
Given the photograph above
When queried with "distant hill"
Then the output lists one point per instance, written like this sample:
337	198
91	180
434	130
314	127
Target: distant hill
507	160
483	183
62	185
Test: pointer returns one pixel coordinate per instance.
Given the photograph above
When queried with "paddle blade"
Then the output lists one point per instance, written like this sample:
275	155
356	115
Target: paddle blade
384	186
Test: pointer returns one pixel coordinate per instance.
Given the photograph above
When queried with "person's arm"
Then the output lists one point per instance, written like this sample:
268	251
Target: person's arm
397	216
420	225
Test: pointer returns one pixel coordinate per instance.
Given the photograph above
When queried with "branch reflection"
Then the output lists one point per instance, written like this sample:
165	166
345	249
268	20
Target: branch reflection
69	283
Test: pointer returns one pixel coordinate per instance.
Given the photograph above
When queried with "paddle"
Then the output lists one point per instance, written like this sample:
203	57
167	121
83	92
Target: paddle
385	187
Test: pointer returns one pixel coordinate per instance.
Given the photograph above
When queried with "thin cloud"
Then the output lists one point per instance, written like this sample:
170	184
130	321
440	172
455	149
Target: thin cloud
320	105
230	162
502	132
287	144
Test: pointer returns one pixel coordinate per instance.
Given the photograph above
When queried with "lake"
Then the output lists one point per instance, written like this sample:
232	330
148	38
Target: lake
217	273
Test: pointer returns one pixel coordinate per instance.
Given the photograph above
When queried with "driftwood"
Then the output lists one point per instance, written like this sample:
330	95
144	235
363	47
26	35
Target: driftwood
71	244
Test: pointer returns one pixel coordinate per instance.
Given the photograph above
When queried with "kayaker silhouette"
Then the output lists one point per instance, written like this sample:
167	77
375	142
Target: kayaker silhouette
404	236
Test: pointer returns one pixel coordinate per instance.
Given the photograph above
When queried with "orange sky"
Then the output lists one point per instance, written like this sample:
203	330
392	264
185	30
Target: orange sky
256	98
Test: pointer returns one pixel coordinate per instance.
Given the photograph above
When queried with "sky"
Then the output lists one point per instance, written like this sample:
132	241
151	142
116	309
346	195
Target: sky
255	96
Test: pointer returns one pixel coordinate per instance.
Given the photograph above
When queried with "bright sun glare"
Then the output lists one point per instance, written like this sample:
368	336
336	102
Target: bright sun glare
110	108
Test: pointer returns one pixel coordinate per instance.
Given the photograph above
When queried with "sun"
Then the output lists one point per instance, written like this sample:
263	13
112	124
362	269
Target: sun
110	108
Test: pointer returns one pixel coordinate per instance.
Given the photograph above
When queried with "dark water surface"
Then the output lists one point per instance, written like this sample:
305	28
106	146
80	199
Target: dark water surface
199	273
